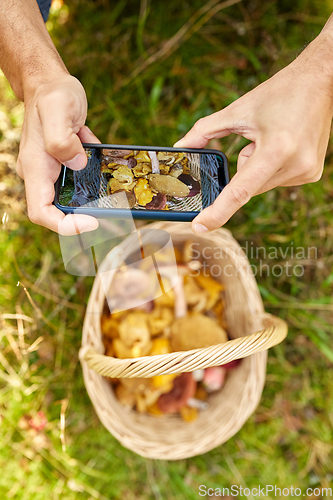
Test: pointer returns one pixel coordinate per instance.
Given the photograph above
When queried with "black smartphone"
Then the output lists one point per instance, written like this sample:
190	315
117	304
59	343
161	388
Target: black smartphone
143	182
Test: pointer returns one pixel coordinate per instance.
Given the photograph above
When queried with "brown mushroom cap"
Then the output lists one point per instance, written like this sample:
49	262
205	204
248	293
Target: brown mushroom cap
196	332
183	389
166	184
131	162
157	203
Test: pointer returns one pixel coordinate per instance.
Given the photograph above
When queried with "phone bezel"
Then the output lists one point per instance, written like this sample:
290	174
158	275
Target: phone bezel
165	215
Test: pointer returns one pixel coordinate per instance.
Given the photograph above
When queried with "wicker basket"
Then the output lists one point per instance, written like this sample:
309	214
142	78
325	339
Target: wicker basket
169	437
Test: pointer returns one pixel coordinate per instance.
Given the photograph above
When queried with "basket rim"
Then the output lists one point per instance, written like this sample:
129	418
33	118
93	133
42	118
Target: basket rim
187	361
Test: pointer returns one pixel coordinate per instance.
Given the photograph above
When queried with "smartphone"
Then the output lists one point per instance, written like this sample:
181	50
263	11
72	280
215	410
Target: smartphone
143	182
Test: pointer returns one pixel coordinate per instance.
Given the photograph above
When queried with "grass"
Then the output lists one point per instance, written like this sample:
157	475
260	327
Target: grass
143	89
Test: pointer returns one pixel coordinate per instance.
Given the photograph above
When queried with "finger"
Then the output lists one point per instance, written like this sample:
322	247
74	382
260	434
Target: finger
86	135
244	154
257	170
60	127
214	126
39	185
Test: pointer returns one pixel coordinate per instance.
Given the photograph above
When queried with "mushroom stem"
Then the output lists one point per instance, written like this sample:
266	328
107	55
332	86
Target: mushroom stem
170	271
155	166
180	302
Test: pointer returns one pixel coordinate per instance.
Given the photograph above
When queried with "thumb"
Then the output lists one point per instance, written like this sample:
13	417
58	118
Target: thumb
255	172
214	126
60	134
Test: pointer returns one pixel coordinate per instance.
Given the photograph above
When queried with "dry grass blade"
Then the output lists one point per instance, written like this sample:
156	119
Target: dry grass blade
37	310
18	316
42	292
34	346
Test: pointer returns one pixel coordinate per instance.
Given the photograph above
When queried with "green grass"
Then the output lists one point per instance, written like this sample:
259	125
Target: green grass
288	440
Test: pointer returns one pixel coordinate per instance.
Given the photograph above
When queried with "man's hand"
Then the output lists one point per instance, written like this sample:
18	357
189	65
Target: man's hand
288	120
55	112
52	133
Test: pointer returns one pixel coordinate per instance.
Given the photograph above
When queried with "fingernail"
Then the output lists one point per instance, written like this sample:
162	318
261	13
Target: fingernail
176	144
200	229
89	130
76	163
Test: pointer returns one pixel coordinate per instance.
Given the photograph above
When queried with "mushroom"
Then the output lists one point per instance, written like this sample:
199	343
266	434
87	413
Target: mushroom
155	166
163	382
134	330
180	300
114	186
124	175
138	349
197	403
157	203
143	193
109	160
166	298
142	169
212	287
118	153
180	303
176	170
195	296
196	331
168	185
109	326
192	184
135	384
189	413
170	158
183	389
198	375
143	156
214	378
232	364
125	396
159	319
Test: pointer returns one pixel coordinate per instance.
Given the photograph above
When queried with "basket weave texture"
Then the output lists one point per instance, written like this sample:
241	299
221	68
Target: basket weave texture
251	330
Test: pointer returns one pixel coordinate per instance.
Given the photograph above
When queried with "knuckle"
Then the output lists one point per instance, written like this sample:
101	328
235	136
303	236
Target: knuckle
200	126
239	195
309	167
284	145
34	216
316	177
56	146
56	95
287	143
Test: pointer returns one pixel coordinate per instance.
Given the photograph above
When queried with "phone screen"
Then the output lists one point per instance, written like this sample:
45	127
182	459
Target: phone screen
144	180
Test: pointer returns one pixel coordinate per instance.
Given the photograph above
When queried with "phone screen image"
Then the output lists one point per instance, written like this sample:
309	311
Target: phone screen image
144	180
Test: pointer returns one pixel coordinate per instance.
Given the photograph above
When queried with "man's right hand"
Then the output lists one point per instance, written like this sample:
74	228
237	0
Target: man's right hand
53	132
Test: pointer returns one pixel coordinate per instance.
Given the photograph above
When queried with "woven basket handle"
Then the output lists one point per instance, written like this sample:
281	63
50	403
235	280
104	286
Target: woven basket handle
187	361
